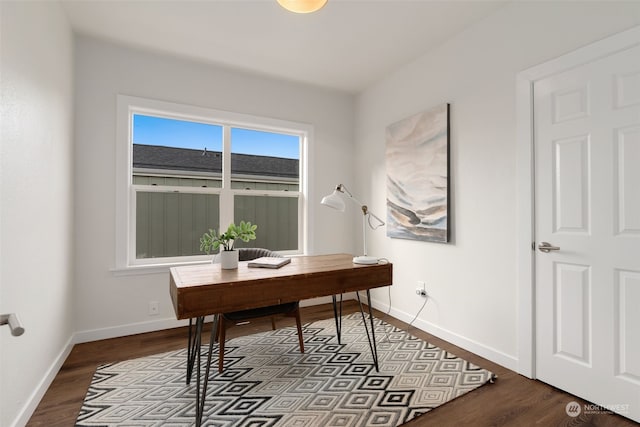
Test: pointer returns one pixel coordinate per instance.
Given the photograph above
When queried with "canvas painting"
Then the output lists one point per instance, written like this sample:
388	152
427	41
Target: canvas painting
417	161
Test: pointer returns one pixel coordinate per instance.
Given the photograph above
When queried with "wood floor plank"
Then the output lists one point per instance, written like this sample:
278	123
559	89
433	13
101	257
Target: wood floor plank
512	400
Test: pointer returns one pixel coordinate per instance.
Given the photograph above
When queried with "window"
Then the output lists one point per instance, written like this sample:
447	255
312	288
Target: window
183	170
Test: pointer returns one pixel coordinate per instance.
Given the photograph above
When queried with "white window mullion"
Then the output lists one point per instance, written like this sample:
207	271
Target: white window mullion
172	189
131	244
267	193
304	211
302	227
226	196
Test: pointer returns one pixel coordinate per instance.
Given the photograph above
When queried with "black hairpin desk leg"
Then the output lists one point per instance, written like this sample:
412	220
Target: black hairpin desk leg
338	317
201	395
370	337
191	354
195	342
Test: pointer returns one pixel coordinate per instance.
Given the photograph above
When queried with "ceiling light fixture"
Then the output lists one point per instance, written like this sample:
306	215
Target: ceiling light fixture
302	6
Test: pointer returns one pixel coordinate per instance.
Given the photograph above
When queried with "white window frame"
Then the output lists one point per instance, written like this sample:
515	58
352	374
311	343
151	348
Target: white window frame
127	106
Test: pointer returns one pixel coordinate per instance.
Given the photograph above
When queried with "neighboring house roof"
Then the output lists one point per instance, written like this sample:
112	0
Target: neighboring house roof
184	159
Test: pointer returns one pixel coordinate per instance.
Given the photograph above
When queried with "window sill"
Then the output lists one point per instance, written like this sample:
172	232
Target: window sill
137	270
160	268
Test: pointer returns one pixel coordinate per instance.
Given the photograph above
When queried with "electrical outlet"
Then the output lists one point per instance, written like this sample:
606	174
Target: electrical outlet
421	292
153	308
421	289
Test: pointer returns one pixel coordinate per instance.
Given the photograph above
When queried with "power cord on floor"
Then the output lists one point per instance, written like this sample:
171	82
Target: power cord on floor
387	314
426	298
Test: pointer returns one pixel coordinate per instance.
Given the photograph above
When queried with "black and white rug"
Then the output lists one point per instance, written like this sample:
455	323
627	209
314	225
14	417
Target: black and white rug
267	382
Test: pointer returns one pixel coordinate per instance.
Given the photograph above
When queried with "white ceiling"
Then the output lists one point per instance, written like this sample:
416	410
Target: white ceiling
347	45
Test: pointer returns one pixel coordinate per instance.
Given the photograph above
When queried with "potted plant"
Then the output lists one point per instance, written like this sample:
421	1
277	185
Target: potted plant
213	240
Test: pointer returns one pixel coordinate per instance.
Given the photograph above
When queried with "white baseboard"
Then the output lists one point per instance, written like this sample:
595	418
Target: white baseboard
325	300
38	393
157	325
129	329
496	356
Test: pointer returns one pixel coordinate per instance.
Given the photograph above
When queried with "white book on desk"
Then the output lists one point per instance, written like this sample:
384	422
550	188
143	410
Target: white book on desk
269	262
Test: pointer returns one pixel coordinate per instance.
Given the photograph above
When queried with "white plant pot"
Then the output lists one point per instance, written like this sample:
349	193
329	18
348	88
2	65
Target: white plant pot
229	260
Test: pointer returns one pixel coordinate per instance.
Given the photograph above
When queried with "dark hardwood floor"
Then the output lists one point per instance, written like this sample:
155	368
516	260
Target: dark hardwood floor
512	400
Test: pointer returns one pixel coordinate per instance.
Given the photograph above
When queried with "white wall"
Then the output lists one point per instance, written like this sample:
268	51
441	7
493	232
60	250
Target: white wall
472	281
37	201
107	304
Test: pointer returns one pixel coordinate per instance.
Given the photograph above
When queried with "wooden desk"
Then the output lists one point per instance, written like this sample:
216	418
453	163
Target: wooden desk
200	290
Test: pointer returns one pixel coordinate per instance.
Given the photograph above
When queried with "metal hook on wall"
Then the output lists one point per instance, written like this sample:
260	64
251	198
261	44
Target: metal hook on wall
13	322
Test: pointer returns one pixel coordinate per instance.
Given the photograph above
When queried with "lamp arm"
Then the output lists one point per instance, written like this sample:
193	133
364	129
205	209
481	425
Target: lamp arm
334	201
365	210
341	188
380	222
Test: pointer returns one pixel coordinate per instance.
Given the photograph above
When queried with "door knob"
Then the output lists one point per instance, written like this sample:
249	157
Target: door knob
547	247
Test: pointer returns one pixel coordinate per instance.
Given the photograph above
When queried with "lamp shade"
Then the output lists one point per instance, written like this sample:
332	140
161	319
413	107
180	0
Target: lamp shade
302	6
334	200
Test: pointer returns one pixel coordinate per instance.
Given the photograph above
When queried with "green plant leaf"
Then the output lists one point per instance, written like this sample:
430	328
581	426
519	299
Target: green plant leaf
212	240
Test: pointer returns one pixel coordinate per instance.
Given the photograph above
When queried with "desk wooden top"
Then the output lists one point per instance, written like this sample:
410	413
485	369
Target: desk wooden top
200	290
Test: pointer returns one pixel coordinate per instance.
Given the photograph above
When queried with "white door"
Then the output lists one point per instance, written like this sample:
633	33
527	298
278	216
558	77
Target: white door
587	197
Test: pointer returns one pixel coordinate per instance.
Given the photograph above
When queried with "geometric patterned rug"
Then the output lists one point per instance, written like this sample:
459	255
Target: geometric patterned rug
267	382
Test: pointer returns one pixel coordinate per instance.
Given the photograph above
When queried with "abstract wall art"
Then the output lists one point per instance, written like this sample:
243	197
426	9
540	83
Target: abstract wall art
417	162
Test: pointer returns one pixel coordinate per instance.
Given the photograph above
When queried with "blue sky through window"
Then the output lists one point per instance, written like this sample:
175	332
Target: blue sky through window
149	130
